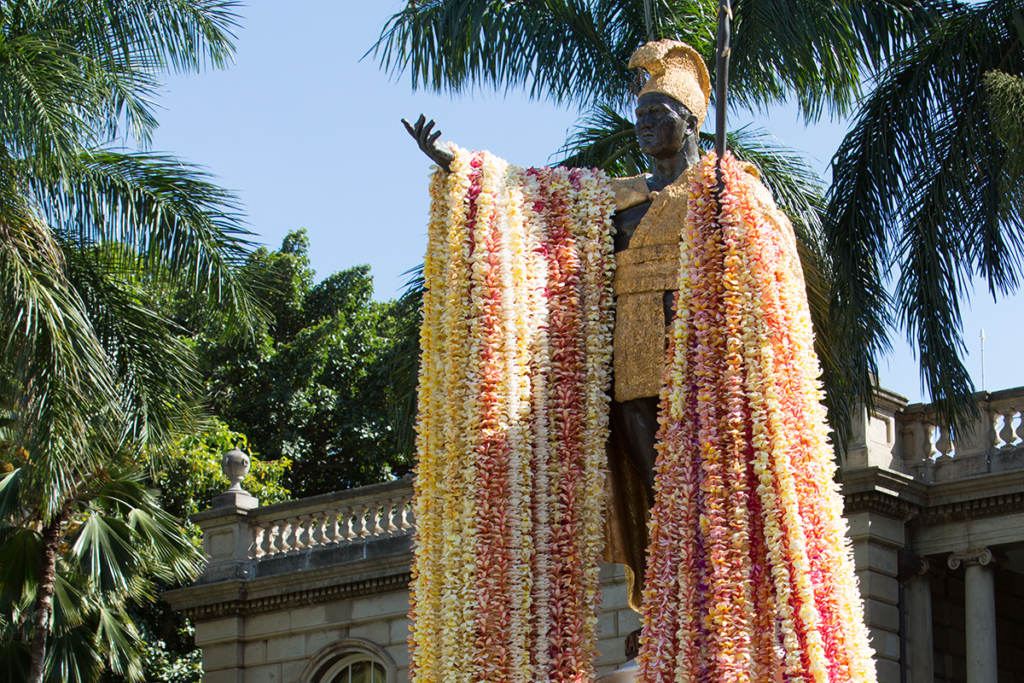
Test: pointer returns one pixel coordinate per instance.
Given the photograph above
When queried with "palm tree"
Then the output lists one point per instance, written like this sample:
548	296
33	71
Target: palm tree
577	53
92	375
928	184
110	544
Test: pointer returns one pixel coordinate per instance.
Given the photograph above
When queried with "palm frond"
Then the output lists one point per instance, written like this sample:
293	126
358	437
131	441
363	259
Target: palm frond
404	365
102	547
917	191
576	51
112	53
53	361
184	230
42	93
20	550
816	51
1004	97
121	644
125	535
157	377
69	600
569	51
15	659
11	503
604	139
73	654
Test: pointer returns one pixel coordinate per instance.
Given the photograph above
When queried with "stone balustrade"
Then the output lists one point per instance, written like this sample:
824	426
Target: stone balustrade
243	541
910	439
932	452
332	520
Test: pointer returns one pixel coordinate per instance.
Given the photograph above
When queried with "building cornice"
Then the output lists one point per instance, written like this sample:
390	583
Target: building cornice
241	598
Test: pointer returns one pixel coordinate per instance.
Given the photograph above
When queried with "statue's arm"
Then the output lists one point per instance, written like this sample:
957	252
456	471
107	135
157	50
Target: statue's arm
427	139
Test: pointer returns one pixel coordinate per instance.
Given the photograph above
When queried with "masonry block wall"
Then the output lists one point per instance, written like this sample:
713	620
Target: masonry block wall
275	647
1010	625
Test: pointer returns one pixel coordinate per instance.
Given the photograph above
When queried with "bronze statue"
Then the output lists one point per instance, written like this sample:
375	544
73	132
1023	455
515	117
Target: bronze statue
650	210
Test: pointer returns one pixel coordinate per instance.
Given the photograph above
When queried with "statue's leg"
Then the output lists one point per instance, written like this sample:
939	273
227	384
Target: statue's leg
636	422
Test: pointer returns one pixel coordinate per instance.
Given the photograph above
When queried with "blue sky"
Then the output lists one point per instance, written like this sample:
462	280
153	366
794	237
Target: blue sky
307	133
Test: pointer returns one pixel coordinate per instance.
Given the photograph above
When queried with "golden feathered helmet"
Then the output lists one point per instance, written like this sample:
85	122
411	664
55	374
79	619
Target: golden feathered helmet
675	70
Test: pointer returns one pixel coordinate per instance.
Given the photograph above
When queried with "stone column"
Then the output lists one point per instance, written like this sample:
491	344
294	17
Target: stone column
919	625
980	609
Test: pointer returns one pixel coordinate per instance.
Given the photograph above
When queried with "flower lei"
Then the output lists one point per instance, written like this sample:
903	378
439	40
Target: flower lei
750	575
515	368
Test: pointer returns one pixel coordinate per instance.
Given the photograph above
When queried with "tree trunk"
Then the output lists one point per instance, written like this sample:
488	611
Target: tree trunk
44	598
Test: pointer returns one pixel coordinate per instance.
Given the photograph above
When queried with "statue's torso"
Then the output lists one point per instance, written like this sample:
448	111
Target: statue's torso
648	226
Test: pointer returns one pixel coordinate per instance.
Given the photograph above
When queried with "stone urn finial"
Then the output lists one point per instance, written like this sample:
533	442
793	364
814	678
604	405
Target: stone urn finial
235	465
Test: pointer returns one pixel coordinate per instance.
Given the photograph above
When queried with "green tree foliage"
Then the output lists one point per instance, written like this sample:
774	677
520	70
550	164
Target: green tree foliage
314	387
927	186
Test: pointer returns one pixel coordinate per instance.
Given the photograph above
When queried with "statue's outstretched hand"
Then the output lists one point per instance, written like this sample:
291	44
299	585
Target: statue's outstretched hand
428	142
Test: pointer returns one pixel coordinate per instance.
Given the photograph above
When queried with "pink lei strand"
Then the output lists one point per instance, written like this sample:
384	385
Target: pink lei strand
749	573
511	462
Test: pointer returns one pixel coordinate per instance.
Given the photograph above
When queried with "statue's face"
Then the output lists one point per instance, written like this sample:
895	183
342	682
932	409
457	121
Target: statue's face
662	125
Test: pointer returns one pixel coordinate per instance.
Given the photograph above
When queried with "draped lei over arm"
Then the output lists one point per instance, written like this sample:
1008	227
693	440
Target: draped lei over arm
513	421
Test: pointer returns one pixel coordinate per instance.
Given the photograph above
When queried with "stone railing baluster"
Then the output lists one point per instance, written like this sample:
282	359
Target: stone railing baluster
257	549
316	529
358	522
410	516
285	540
1006	434
306	532
944	444
397	510
345	533
928	451
271	546
373	516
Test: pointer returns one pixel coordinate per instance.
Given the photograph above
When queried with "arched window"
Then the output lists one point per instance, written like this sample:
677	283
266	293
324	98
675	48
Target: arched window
353	660
356	668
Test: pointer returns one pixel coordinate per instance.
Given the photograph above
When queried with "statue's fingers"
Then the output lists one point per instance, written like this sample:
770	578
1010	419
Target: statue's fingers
433	138
409	128
427	129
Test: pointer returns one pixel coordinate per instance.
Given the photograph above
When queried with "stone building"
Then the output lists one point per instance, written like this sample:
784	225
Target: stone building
316	590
